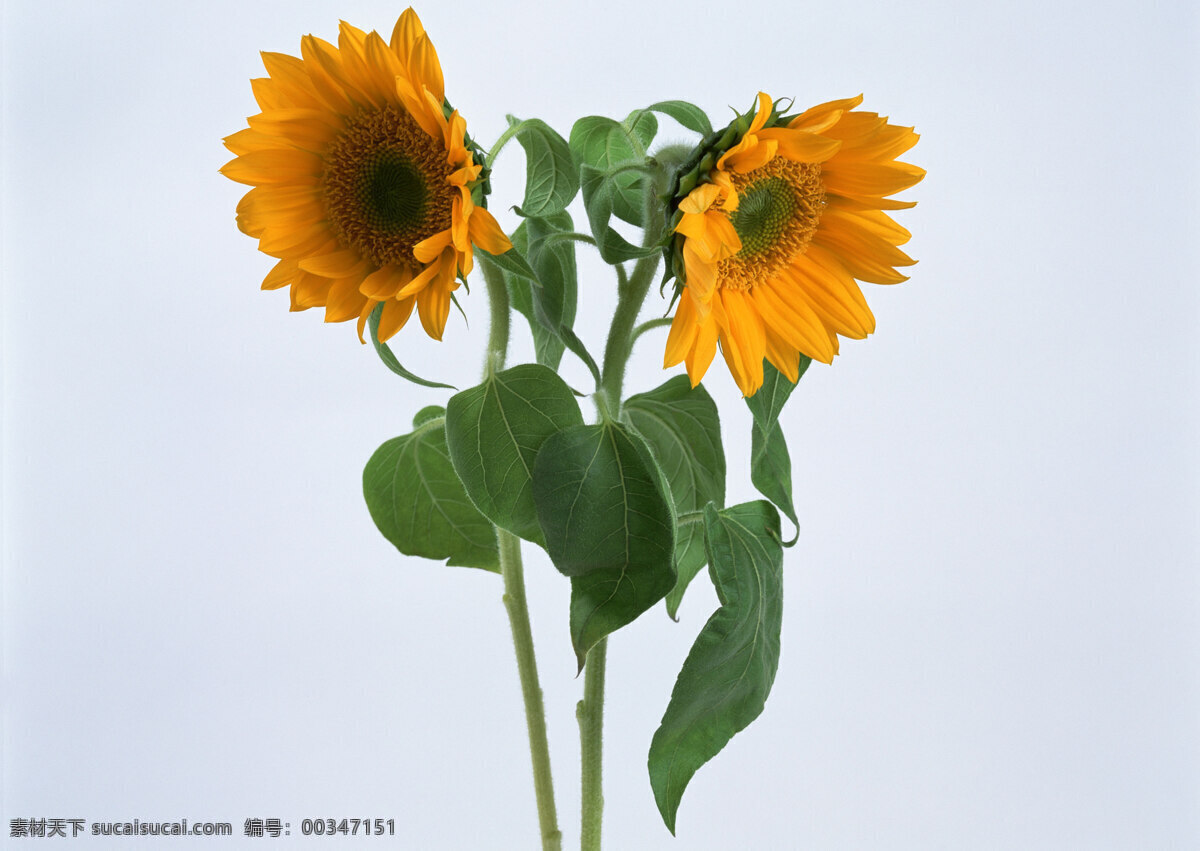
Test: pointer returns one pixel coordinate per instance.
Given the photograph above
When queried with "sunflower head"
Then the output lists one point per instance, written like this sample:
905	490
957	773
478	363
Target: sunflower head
774	218
366	187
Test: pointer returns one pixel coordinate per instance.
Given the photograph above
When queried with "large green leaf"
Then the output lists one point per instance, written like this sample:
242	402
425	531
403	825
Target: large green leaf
770	461
727	676
494	432
603	144
683	429
418	502
551	180
608	525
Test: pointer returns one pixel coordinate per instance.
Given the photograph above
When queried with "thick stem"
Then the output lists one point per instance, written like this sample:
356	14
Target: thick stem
590	712
511	569
535	711
497	349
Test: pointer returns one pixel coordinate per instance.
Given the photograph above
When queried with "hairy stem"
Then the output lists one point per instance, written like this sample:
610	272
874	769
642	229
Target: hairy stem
514	596
590	713
535	711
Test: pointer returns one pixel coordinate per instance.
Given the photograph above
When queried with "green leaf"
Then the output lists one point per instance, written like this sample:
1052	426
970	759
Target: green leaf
770	461
727	676
418	503
643	125
683	429
688	114
608	525
512	262
494	431
599	187
390	360
554	302
604	144
551	180
547	345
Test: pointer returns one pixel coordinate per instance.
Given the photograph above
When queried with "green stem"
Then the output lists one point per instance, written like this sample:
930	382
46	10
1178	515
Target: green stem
650	325
497	348
632	291
535	711
502	141
590	713
514	597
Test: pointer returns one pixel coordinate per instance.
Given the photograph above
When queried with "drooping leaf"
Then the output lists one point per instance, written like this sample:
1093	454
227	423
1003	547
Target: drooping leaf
494	432
418	502
554	302
728	673
389	359
688	114
608	525
604	144
599	187
683	429
770	461
551	180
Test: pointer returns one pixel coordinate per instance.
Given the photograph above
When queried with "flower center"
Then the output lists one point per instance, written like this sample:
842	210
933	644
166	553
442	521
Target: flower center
385	186
779	207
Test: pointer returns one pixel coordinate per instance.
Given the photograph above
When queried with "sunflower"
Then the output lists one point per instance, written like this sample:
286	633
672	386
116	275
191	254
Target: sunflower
367	189
771	231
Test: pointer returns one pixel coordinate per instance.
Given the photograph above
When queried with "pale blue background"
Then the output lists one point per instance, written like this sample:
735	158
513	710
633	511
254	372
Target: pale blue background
990	632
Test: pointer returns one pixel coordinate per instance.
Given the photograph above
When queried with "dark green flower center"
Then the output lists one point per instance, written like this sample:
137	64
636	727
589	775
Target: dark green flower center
391	191
764	211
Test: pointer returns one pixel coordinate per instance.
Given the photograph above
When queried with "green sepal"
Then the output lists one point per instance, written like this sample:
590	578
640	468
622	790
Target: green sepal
418	503
389	359
598	199
727	676
494	432
551	180
608	525
770	461
682	427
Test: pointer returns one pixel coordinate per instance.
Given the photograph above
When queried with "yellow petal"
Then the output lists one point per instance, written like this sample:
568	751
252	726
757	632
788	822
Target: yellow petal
384	283
486	232
752	156
276	165
336	264
820	118
393	317
322	63
682	335
792	319
801	147
428	250
424	69
864	178
344	301
783	357
743	341
433	302
700	198
764	112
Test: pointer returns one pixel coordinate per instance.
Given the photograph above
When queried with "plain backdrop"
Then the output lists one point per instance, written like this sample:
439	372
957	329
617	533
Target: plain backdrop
990	631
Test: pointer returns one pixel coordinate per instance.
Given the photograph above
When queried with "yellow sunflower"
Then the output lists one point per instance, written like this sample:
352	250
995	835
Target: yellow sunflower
772	231
366	187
